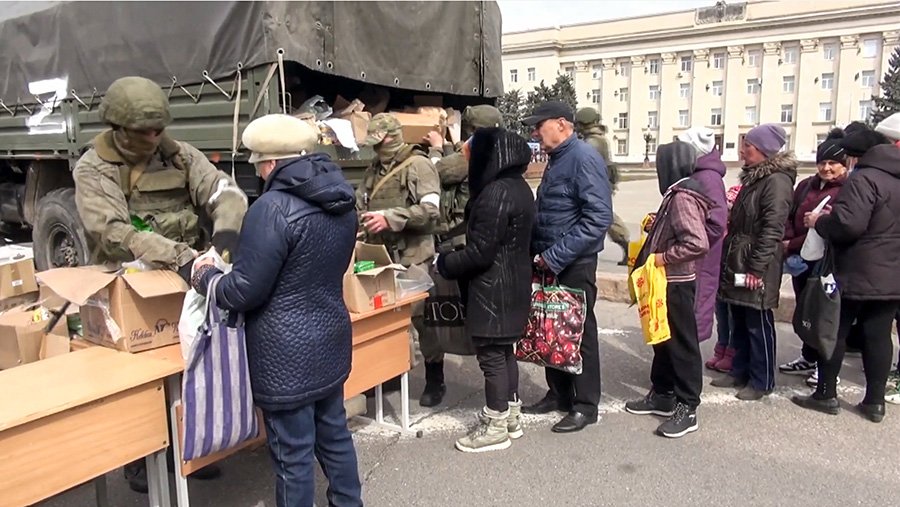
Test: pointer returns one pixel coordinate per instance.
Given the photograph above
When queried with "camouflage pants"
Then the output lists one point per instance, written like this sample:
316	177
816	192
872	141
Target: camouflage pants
618	233
419	341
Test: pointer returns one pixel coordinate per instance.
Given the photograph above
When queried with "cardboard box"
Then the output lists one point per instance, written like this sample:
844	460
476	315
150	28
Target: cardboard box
359	120
417	125
23	341
131	312
374	288
16	274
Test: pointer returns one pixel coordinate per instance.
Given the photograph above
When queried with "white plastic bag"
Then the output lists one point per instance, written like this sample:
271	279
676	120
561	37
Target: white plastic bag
193	311
814	246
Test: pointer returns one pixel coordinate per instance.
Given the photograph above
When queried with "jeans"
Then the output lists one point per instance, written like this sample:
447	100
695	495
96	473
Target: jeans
581	391
723	324
677	365
501	375
317	429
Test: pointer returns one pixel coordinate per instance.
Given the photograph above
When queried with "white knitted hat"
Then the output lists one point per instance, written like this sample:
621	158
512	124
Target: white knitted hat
701	138
890	127
279	136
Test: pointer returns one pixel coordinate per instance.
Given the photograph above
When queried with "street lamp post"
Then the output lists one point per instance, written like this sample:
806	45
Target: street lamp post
647	139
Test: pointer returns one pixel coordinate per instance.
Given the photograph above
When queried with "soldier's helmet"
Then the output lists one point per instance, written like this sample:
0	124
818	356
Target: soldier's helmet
135	103
587	116
482	116
380	126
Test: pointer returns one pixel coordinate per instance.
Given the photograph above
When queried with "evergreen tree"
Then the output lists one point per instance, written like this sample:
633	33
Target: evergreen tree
510	106
889	101
563	90
542	93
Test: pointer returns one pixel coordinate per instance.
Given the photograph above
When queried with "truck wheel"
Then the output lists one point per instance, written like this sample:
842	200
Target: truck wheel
59	237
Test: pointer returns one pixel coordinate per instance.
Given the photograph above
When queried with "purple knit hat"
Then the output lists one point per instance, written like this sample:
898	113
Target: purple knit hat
768	138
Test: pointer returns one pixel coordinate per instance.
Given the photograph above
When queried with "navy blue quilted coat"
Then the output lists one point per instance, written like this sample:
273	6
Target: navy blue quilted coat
296	243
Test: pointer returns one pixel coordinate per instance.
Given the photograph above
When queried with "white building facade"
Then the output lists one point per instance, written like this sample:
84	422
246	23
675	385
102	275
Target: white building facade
806	65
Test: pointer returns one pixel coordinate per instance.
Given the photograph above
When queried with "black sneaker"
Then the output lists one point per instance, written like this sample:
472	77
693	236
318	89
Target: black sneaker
653	403
682	422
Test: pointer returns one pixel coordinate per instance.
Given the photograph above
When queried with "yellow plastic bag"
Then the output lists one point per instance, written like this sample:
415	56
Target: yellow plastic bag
649	284
634	249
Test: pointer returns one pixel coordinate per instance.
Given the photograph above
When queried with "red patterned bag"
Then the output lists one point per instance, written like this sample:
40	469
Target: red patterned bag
555	325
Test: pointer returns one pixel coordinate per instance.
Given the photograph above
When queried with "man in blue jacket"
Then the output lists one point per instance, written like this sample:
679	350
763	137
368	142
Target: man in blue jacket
574	211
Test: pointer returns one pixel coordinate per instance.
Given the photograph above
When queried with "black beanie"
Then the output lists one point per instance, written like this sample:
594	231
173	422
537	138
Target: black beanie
831	148
857	143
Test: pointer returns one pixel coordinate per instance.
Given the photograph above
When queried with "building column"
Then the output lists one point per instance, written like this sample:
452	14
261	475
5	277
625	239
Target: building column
700	79
847	84
803	135
583	84
768	105
608	101
637	109
734	91
668	98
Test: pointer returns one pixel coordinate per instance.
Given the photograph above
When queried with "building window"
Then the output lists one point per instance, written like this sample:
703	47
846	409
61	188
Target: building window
790	54
753	58
750	117
787	114
654	92
651	146
868	79
623	94
654	66
596	71
787	84
684	90
532	75
623	120
687	63
715	117
829	50
595	95
828	81
717	88
865	110
719	60
820	138
570	71
787	143
752	86
622	147
870	48
513	76
624	69
653	119
825	111
683	118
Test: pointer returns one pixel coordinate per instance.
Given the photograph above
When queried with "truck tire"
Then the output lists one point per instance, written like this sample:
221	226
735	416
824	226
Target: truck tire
59	237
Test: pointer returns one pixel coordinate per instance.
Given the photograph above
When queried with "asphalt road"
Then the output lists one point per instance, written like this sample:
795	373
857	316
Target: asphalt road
767	453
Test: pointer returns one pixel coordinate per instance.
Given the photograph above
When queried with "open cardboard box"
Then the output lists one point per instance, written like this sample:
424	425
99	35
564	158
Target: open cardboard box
130	312
17	283
23	341
373	288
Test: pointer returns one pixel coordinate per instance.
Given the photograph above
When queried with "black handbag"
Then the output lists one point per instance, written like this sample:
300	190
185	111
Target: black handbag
445	317
818	311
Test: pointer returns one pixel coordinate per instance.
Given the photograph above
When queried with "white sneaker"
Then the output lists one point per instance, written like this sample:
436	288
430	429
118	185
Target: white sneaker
813	380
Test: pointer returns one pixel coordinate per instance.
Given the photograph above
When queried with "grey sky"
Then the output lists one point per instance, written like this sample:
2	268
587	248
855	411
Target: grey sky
529	14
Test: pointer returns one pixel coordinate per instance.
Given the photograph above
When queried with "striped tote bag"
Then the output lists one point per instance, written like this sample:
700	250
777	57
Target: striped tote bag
216	396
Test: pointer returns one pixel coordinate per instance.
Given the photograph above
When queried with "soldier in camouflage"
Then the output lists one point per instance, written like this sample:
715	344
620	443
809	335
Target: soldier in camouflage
399	202
589	129
138	193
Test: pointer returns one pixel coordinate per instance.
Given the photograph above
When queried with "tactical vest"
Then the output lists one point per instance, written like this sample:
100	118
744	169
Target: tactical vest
405	248
158	192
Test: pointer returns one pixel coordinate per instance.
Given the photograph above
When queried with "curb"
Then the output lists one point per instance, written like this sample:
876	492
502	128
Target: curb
613	287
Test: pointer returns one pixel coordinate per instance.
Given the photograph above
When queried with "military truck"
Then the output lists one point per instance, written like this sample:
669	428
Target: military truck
222	65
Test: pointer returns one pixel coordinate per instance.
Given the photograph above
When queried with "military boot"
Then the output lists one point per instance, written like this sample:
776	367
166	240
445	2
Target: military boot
490	436
434	385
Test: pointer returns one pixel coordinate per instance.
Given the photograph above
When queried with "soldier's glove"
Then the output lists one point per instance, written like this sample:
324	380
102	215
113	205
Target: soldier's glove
226	243
185	272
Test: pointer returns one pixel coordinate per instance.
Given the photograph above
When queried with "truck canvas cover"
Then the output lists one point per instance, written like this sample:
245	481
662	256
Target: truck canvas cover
65	47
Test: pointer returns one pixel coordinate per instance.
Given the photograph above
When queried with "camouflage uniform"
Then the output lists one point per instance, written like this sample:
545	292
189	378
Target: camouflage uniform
122	179
409	201
588	128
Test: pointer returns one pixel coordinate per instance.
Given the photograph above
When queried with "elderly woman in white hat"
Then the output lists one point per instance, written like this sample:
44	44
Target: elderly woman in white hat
296	244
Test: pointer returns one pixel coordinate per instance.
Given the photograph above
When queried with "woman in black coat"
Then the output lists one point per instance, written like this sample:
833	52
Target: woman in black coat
863	229
494	272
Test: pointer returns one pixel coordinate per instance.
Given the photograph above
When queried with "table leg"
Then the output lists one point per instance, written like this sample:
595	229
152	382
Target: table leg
379	404
101	491
404	426
158	479
404	401
181	485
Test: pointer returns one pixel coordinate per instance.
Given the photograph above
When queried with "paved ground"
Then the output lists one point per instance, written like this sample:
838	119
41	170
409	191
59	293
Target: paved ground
766	453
